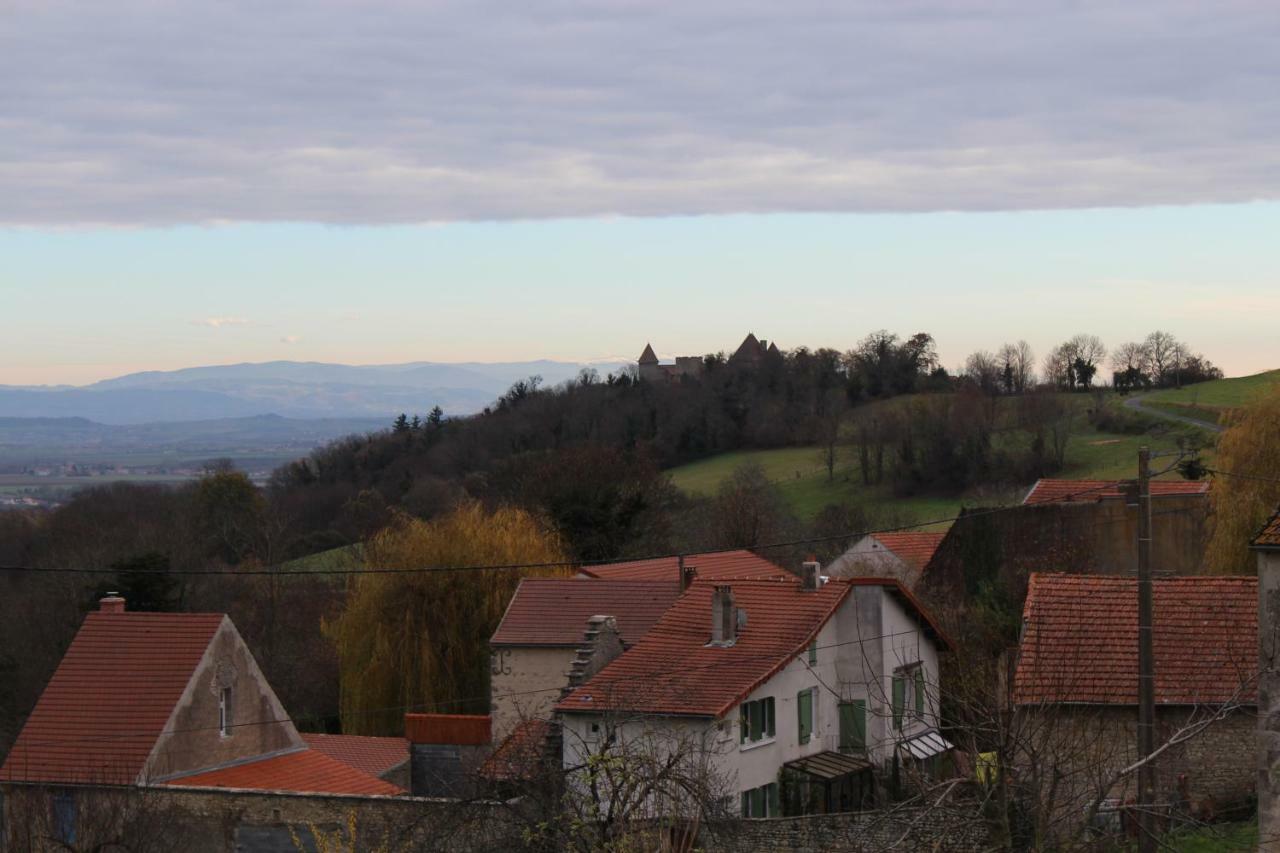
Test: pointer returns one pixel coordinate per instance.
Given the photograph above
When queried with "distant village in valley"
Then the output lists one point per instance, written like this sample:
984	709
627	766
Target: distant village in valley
763	599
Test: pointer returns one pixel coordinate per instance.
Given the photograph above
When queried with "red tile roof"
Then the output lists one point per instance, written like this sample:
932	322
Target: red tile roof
914	549
1060	491
101	713
372	755
307	771
1269	535
672	670
554	611
713	566
458	729
519	755
1080	642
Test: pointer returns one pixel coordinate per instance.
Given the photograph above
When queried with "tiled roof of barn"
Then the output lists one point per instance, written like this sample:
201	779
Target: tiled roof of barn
306	771
109	699
1063	491
1080	640
712	566
554	611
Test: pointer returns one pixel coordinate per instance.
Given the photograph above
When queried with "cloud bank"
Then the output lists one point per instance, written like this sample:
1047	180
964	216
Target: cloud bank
220	322
146	112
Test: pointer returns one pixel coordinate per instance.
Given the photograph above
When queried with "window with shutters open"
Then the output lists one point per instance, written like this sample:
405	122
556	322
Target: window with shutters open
756	721
804	713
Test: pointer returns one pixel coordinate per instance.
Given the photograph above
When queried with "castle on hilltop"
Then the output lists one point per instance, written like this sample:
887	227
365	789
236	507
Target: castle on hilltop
749	354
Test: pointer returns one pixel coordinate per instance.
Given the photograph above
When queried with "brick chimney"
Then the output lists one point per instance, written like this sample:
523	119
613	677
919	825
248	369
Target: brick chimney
687	574
810	573
724	617
113	603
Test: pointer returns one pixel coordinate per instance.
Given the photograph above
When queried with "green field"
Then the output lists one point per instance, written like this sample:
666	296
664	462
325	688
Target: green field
1218	394
1214	838
1204	414
801	478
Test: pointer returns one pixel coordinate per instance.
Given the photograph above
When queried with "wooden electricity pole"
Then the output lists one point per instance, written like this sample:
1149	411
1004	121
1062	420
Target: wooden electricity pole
1146	663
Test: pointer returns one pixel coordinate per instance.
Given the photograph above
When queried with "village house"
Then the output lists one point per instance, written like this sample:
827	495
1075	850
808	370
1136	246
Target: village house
1075	687
534	646
1266	546
174	701
1083	526
902	556
811	684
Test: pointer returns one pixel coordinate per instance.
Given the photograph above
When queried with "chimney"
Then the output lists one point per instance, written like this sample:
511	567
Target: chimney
810	573
113	603
724	617
601	643
687	574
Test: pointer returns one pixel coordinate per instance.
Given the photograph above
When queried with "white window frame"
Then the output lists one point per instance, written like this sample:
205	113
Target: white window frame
224	712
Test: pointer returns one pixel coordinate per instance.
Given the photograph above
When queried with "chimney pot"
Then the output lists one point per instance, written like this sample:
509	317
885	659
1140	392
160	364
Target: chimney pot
112	603
724	616
810	574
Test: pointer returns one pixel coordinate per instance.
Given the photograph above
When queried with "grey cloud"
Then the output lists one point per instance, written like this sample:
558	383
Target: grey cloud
145	112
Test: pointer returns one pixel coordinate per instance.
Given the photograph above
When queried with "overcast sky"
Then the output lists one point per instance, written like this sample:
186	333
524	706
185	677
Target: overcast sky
440	136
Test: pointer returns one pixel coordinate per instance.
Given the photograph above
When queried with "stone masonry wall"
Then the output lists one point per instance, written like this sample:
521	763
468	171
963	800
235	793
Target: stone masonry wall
863	832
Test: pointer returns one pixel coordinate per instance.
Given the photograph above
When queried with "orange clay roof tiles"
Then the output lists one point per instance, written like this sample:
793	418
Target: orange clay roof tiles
519	755
1065	491
1269	536
1080	641
554	611
307	771
672	670
372	755
914	549
720	564
110	697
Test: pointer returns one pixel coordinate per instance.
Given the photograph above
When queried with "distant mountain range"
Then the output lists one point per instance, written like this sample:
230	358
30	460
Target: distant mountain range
290	389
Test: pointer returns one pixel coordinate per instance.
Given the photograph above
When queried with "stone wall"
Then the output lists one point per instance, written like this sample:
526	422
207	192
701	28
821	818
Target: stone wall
944	831
1268	735
1088	745
221	821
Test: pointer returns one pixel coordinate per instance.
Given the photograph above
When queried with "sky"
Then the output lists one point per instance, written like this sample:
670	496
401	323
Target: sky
194	183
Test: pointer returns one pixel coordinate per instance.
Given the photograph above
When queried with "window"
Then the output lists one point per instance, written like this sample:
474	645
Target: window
224	712
909	693
804	713
761	802
813	651
853	725
756	720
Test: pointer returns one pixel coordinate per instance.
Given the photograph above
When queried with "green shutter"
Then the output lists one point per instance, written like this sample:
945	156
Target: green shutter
770	729
804	711
757	802
744	723
771	791
813	650
746	804
757	720
899	699
920	691
853	724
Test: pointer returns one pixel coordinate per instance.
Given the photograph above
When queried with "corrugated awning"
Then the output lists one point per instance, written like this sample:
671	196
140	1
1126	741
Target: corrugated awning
926	745
829	765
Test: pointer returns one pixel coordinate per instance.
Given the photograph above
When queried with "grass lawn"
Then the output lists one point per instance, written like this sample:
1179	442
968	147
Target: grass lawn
1204	414
802	479
1215	838
345	557
1218	394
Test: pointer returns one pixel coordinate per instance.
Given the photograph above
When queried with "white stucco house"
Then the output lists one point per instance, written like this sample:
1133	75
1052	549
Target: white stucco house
797	688
903	555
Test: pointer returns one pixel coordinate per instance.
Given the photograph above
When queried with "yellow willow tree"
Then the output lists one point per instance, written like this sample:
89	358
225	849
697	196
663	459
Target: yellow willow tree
1250	446
421	639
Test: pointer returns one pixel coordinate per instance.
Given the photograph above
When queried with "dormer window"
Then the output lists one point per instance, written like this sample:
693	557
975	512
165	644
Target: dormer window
224	712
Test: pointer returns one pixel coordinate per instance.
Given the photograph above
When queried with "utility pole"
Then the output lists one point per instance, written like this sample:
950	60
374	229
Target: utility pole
1146	662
